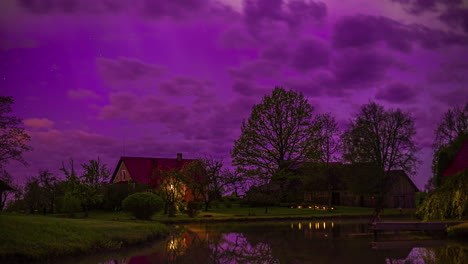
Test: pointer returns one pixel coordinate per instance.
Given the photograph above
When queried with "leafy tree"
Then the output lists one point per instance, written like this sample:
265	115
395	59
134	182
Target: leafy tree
279	134
13	138
450	135
171	190
74	193
86	188
50	188
448	201
94	177
453	124
384	140
34	196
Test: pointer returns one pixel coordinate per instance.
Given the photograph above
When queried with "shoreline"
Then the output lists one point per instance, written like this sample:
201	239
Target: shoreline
270	218
42	238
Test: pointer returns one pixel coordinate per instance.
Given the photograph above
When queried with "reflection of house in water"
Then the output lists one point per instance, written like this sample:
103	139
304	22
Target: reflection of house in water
342	179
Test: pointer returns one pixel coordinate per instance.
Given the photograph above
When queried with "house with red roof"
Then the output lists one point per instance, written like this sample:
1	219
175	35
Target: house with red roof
460	162
147	170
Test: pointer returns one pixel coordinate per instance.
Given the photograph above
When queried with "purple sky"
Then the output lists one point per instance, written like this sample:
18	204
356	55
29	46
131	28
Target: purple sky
161	77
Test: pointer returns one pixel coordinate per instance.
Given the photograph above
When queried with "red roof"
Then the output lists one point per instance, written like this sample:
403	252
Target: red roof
141	169
460	162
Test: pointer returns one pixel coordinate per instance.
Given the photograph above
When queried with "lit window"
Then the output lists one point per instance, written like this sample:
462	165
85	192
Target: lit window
124	174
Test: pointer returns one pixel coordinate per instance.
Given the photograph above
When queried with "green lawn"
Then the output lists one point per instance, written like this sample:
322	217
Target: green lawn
39	237
246	213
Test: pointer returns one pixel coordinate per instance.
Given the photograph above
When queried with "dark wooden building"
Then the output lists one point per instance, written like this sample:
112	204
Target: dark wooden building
342	184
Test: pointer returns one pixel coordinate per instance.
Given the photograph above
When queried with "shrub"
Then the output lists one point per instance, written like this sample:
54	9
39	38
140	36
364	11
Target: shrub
70	204
143	205
193	208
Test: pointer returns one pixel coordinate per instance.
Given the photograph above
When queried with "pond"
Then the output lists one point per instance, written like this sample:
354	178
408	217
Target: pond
337	241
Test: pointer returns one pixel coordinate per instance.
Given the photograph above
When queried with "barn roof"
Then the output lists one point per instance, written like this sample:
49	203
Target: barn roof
460	162
141	168
393	174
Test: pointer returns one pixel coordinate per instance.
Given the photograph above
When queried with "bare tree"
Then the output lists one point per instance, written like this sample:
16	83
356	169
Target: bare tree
278	135
383	139
329	145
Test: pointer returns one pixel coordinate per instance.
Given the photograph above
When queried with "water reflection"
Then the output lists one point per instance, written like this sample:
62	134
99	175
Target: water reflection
298	242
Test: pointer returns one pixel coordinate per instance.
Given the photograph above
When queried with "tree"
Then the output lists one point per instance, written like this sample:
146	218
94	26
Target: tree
49	185
328	147
86	188
384	140
278	135
94	177
73	189
13	138
34	195
450	135
171	190
6	188
453	124
207	179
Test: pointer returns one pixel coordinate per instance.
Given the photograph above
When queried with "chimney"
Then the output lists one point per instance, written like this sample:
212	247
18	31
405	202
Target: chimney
179	156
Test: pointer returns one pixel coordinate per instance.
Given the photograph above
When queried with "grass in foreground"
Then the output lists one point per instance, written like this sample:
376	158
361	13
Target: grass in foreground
40	237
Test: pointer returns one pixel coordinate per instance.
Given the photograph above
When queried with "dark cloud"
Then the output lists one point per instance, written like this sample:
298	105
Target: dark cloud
82	94
310	87
456	17
310	54
450	72
421	6
185	86
144	109
397	93
256	68
127	69
302	11
248	88
261	15
356	69
277	52
452	96
150	8
74	6
364	31
173	8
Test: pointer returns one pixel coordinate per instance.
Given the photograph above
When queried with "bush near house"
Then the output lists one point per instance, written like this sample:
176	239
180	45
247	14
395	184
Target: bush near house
143	205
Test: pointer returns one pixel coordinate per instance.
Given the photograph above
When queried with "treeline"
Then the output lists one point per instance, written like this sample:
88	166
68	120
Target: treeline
91	190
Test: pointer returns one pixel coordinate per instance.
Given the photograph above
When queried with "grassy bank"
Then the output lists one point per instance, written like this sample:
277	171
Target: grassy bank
237	213
40	237
458	231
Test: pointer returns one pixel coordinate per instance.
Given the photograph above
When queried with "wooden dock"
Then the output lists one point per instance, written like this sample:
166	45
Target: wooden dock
412	226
